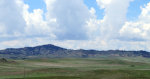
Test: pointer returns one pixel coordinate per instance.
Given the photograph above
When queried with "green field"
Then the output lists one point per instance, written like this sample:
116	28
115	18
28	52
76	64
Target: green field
77	68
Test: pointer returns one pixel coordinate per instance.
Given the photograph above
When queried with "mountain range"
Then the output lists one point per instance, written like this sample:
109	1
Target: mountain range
52	51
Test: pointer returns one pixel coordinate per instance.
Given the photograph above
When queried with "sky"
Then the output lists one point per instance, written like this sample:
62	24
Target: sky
76	24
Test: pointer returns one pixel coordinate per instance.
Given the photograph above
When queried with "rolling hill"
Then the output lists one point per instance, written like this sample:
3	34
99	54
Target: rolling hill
52	51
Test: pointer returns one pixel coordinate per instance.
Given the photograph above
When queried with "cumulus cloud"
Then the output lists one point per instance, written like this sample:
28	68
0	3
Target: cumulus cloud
140	29
70	17
35	21
18	26
64	20
93	25
145	14
11	17
70	24
114	18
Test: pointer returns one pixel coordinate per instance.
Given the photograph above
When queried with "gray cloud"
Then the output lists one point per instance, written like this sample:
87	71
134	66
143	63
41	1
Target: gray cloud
11	18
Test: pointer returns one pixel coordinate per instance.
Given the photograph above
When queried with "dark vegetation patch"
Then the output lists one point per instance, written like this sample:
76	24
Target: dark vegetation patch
6	61
3	60
53	77
102	74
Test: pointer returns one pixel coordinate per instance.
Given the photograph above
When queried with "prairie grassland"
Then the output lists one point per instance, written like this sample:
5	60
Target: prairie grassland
77	68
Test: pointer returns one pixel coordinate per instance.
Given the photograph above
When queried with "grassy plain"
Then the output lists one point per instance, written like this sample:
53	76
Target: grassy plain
77	68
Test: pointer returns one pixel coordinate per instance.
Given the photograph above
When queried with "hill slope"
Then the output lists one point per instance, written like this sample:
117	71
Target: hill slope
51	51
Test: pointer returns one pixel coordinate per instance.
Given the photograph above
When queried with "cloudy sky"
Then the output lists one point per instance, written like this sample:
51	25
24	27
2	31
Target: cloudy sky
76	24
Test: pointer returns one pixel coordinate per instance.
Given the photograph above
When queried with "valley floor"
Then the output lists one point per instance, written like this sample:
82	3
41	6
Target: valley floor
77	68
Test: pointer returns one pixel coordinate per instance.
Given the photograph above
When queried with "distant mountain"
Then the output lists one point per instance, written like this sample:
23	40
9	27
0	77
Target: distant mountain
52	51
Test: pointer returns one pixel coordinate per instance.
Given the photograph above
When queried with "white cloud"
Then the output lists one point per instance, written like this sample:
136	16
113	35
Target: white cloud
103	3
11	18
71	17
17	23
139	29
2	28
35	21
114	18
93	25
145	14
66	21
72	23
